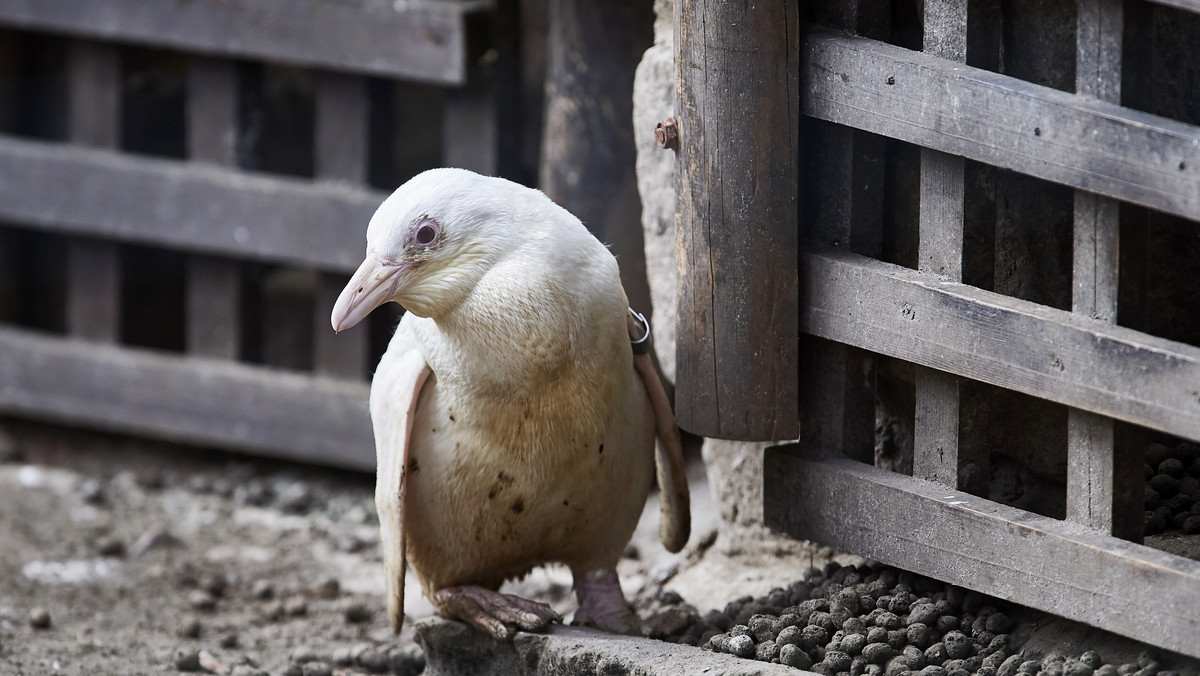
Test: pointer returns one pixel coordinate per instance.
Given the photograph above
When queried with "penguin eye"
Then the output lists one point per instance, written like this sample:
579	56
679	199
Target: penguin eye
427	232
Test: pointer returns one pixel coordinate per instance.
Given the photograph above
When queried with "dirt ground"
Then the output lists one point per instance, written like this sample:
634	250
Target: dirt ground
157	558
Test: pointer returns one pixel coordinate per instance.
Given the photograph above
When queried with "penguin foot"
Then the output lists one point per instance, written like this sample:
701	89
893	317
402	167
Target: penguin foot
602	604
492	612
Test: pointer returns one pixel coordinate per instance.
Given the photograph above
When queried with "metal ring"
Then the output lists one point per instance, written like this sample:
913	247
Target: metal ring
641	345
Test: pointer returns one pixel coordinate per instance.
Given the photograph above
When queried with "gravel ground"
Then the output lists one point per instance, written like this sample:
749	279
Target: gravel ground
125	557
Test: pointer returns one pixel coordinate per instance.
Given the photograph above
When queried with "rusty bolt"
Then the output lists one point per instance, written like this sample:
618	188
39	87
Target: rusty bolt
667	134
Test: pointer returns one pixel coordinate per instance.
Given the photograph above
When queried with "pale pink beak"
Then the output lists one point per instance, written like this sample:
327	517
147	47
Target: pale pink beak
371	285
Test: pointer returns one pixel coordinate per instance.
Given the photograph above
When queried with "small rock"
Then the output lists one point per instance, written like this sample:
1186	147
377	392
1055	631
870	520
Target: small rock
1171	467
350	543
273	612
813	636
262	590
189	629
107	545
295	606
247	670
91	491
1165	484
914	657
897	638
763	627
329	588
342	657
835	661
213	583
766	651
853	644
229	641
878	653
947	623
936	653
793	656
39	618
924	613
373	661
919	635
1029	667
406	661
187	660
292	670
1191	524
932	670
888	620
877	635
357	613
742	646
1073	667
1092	659
1009	666
199	599
958	646
295	498
669	598
317	669
789	636
998	623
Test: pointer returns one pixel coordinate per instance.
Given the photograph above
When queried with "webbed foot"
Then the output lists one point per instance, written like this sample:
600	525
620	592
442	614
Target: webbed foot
490	611
602	604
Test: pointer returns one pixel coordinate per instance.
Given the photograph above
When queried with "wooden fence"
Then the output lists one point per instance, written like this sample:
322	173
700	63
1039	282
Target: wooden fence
941	181
94	199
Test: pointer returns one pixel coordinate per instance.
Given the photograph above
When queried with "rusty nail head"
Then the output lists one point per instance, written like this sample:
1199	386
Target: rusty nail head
667	134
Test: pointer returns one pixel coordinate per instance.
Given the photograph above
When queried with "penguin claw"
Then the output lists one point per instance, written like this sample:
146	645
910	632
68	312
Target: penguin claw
499	615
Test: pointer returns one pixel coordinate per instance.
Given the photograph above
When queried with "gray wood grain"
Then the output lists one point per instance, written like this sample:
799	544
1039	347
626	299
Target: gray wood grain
210	402
940	251
736	219
1019	345
1033	560
213	287
93	303
1080	142
1097	483
184	205
417	40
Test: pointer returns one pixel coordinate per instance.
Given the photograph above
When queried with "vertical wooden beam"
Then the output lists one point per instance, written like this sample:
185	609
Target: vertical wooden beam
847	172
342	113
94	119
1101	490
737	81
935	427
213	286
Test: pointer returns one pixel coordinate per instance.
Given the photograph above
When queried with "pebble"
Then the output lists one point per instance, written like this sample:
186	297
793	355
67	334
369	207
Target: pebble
187	660
1009	666
742	646
317	669
262	590
295	606
957	645
273	612
878	653
766	651
834	662
793	656
189	629
329	588
932	670
199	599
292	670
247	670
229	640
107	545
91	491
39	618
406	661
924	613
853	644
372	660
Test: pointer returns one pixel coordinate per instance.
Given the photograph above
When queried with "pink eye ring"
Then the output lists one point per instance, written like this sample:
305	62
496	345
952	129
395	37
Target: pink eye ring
427	232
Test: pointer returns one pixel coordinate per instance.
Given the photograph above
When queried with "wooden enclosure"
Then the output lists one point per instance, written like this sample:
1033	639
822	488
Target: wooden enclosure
222	258
997	208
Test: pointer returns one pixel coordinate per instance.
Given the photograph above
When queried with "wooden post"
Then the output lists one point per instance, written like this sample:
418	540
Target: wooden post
588	156
1103	487
213	291
737	81
341	154
94	119
935	426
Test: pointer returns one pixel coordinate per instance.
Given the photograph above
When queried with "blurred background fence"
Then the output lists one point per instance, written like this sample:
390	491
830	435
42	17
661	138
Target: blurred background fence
185	186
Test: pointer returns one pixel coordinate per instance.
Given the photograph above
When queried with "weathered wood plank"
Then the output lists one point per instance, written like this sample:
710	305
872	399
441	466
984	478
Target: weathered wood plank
213	288
1080	142
94	120
736	219
1022	346
940	251
1104	491
212	402
414	40
342	114
1033	560
187	206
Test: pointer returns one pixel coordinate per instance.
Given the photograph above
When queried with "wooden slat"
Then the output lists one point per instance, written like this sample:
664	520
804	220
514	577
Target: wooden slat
341	155
1084	143
186	206
1019	345
94	120
736	227
415	40
940	251
1033	560
212	402
213	284
1104	490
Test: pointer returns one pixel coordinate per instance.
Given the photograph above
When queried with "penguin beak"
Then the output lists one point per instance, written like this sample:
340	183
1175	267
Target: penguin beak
373	284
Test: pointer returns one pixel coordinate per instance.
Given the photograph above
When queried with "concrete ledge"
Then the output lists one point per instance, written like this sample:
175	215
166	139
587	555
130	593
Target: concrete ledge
453	649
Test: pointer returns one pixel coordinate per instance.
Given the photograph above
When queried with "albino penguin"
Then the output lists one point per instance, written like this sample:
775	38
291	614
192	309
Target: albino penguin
514	425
